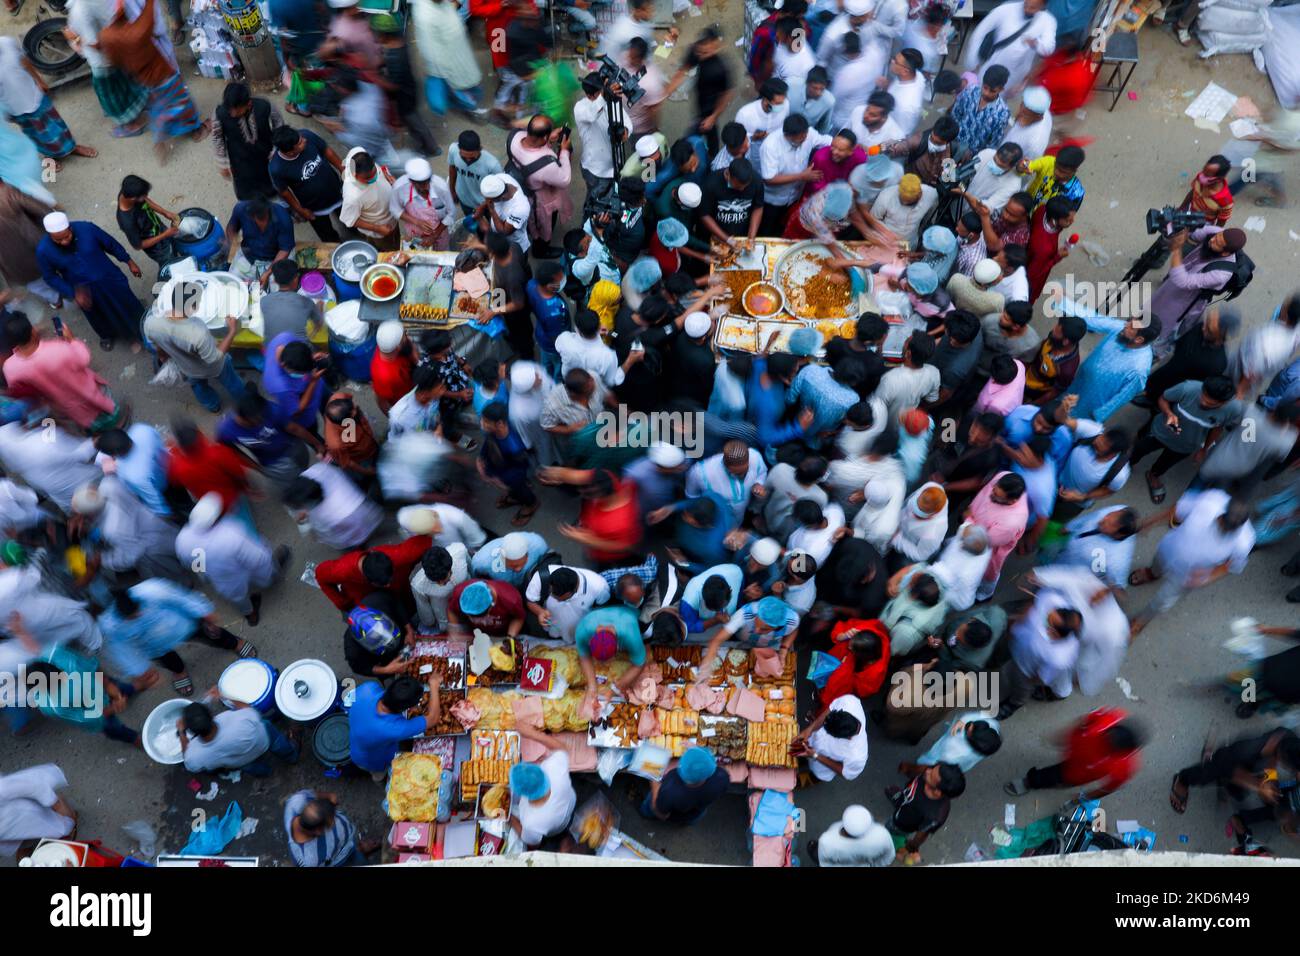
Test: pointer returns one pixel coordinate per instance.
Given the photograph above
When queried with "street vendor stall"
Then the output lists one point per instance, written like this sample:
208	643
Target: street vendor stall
422	290
778	286
745	714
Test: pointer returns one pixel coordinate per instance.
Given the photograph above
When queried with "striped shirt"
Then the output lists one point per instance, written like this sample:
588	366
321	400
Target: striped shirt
332	848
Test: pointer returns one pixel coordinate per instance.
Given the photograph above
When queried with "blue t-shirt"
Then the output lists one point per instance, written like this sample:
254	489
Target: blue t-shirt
374	736
264	442
552	316
284	391
482	400
258	244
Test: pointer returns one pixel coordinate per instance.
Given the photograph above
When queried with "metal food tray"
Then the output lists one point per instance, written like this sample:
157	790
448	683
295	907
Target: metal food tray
750	259
783	329
746	324
460	659
784	263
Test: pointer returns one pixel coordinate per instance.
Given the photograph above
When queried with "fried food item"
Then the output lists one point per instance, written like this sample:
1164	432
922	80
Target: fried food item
495	802
413	787
738	280
476	771
497	709
727	737
769	743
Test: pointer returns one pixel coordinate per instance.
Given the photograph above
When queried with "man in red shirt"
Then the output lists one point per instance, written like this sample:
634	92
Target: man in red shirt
494	607
200	465
348	579
393	364
1104	746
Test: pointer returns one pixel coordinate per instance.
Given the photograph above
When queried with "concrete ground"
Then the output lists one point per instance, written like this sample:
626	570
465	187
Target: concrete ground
1143	155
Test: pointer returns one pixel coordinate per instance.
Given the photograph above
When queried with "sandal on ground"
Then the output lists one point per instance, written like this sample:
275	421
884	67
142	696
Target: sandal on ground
506	501
1179	803
248	650
123	132
1155	488
1016	788
523	516
183	686
1140	577
1292	568
296	111
106	345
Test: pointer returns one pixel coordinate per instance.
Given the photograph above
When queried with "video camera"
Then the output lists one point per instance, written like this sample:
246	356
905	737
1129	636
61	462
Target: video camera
611	73
606	208
1169	220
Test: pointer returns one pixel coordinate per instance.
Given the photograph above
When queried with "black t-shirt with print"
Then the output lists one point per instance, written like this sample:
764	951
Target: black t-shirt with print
731	208
712	80
916	813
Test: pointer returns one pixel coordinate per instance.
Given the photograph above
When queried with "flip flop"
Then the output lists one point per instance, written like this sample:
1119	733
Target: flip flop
248	650
121	132
1155	488
183	686
1140	577
523	516
1178	803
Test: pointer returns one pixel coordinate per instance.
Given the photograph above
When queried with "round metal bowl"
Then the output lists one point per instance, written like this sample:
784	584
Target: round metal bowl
762	288
345	262
377	271
795	266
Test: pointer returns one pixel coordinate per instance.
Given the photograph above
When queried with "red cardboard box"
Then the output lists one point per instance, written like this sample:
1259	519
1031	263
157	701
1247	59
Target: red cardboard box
411	837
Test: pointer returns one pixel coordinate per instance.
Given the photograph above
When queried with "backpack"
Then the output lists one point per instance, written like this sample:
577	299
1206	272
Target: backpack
1242	269
519	173
373	630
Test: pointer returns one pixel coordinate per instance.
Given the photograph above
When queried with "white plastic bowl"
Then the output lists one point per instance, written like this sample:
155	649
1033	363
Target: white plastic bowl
159	731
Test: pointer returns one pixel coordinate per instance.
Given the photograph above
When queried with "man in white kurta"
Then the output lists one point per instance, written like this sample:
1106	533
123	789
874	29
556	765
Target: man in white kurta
48	459
1018	56
1104	638
48	617
344	517
733	477
920	530
1031	128
131	537
226	554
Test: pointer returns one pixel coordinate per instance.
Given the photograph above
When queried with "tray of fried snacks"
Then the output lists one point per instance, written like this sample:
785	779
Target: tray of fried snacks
725	736
679	723
496	710
476	771
760	672
495	745
413	788
594	822
768	743
617	726
778	701
447	725
737	334
564	713
452	669
678	663
493	802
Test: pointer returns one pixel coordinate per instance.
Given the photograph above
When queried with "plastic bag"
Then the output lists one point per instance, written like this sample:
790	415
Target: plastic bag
1098	256
145	837
610	762
192	227
446	784
168	375
216	835
821	667
1246	641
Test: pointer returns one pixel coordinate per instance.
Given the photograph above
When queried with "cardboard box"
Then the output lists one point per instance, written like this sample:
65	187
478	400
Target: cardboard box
411	837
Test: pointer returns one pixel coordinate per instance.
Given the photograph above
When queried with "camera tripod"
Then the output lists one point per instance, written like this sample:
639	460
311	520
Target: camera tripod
1155	256
617	132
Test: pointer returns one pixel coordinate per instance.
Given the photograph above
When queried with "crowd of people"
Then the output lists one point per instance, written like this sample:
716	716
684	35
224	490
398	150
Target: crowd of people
822	501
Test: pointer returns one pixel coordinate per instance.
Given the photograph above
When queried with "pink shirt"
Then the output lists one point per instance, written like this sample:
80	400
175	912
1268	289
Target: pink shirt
1004	524
1003	398
832	171
549	185
59	373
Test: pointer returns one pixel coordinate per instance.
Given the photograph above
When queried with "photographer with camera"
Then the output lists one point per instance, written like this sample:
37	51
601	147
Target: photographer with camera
1195	277
591	119
539	158
621	223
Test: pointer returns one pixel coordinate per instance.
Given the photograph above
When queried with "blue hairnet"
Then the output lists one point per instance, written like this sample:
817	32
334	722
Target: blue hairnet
696	766
528	781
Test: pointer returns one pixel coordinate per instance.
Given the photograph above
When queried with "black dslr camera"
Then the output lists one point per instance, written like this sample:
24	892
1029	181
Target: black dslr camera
612	74
1169	220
